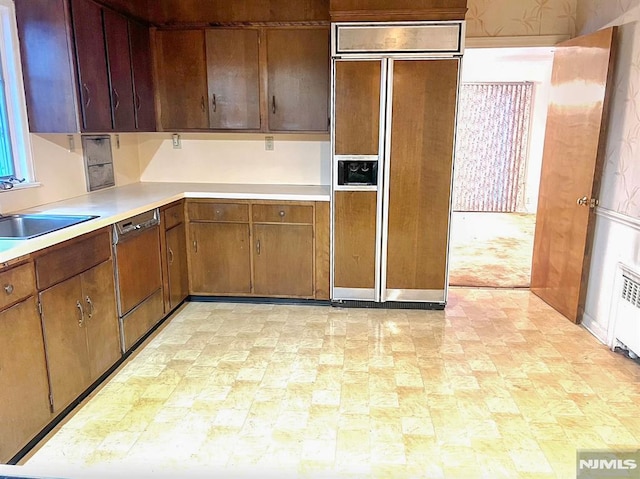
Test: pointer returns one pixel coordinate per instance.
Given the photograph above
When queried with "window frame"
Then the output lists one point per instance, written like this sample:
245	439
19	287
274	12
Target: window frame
14	92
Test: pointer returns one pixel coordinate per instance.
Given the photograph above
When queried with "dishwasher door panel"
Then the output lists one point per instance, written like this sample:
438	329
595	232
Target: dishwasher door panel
138	268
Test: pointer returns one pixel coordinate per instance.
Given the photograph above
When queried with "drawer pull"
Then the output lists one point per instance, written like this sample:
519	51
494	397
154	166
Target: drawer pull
90	303
282	214
170	256
8	288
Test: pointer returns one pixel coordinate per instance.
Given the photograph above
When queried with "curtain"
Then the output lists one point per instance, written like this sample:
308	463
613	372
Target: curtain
491	147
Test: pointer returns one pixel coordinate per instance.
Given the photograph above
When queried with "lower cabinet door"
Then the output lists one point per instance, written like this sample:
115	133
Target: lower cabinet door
219	258
177	265
103	339
24	390
64	314
283	260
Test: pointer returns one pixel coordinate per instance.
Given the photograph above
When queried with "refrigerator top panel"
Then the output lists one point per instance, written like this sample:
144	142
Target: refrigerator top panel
442	39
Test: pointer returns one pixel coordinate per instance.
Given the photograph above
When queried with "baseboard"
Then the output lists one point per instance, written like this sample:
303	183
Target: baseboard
596	329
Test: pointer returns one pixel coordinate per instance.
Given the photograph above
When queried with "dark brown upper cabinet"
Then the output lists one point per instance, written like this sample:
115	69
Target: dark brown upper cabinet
233	78
298	79
181	74
143	88
244	79
78	71
398	10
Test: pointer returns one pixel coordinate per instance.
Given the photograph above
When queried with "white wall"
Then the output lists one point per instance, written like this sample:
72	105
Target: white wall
518	65
236	158
61	172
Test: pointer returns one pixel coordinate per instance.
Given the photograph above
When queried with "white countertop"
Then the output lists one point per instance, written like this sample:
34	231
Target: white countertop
115	204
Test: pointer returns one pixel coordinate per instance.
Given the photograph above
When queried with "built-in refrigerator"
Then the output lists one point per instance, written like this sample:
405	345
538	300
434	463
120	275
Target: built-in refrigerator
394	104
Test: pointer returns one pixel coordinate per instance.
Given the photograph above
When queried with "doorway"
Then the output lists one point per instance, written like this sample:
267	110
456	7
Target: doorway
500	138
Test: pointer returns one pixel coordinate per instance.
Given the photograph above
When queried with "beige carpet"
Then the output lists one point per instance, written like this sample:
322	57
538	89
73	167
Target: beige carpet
491	249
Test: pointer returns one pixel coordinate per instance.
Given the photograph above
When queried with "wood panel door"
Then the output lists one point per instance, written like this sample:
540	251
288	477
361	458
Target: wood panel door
116	31
92	66
219	258
354	248
298	79
182	79
233	78
142	67
65	341
103	339
24	387
357	117
177	265
571	170
283	260
422	141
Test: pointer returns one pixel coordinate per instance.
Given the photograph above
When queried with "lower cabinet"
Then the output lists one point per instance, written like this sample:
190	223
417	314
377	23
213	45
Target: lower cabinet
257	248
80	331
178	279
24	390
283	260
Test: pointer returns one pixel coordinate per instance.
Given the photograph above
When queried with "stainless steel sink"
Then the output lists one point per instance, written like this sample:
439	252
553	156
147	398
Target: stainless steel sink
30	226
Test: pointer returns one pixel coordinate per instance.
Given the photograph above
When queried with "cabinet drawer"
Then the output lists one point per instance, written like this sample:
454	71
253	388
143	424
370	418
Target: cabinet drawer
17	284
174	215
282	213
72	257
227	212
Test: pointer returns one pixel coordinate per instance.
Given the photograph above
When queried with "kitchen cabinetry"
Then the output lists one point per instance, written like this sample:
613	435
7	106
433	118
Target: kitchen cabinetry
24	387
181	74
233	77
77	61
282	86
298	79
219	248
252	248
398	10
79	317
174	246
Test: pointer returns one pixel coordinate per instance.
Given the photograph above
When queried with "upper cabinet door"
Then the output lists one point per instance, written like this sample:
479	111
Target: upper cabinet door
182	79
142	77
92	66
298	79
116	32
233	79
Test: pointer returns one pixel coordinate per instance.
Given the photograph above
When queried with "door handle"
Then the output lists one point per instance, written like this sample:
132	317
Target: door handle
214	104
115	94
170	256
81	320
90	303
273	104
88	100
258	247
195	245
137	102
586	201
202	104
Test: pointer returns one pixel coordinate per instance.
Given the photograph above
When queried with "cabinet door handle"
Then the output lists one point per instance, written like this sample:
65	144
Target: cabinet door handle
215	105
90	303
88	98
8	288
202	104
258	247
81	320
137	101
195	246
117	97
170	256
273	104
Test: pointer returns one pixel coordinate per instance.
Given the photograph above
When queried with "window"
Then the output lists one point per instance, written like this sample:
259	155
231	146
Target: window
15	149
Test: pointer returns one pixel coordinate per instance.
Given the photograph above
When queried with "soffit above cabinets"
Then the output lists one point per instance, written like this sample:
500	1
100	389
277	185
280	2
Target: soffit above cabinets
207	12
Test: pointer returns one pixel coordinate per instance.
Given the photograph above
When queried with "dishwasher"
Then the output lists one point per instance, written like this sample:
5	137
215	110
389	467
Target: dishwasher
136	248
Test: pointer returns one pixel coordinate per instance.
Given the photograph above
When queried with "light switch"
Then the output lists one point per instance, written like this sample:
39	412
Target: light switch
177	142
268	143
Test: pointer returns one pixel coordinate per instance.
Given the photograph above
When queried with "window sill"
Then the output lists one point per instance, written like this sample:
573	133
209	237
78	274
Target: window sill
22	186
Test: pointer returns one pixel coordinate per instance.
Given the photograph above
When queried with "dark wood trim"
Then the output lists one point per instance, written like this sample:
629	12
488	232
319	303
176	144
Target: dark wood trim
398	15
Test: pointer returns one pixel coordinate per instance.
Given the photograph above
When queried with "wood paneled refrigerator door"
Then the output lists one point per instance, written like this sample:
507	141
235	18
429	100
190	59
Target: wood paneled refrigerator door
423	106
571	169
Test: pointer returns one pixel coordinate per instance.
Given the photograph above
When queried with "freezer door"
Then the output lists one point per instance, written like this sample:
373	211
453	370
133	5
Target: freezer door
418	172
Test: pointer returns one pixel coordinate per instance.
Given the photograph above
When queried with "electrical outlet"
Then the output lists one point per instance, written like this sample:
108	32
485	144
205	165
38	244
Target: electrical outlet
268	143
177	142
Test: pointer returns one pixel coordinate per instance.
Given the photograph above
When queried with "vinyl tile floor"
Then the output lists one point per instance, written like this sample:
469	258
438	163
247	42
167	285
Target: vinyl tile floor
496	386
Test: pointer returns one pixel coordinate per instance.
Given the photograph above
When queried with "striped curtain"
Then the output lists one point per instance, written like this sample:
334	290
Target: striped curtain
491	147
